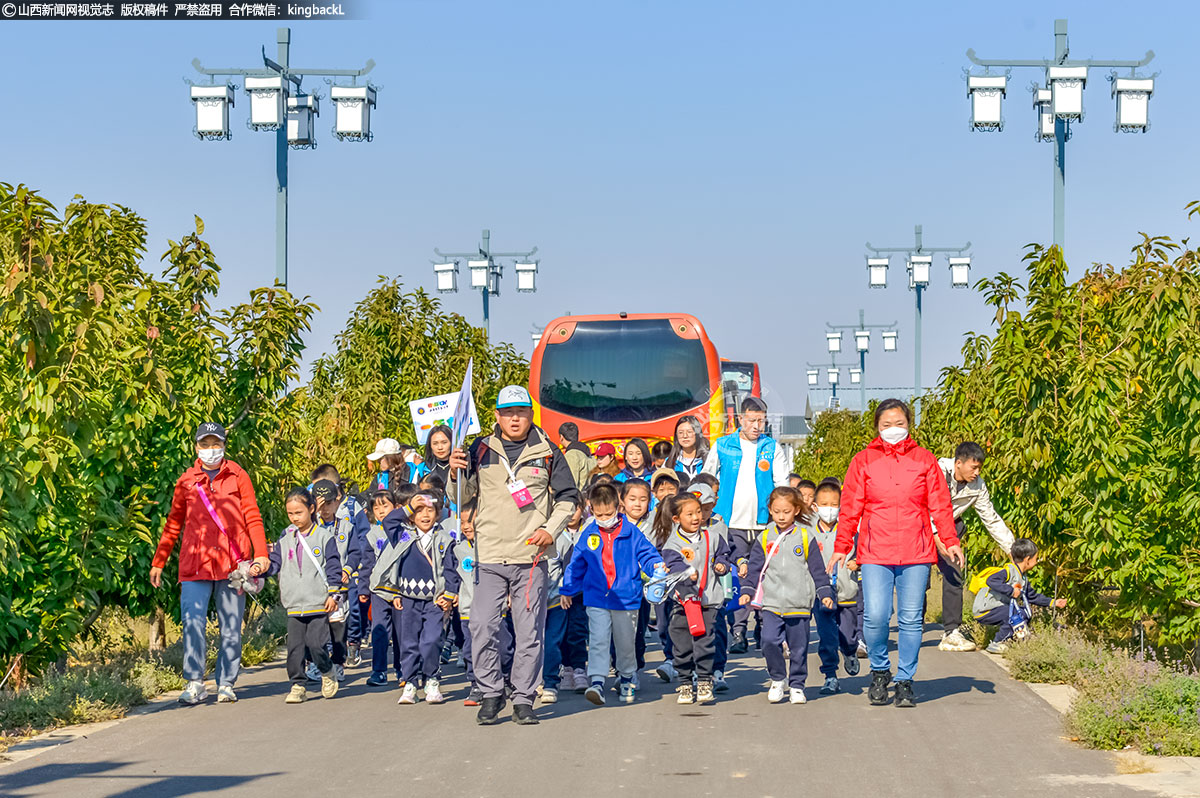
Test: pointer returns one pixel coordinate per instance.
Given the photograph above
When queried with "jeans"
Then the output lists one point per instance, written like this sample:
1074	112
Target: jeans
556	631
619	626
576	640
909	583
194	598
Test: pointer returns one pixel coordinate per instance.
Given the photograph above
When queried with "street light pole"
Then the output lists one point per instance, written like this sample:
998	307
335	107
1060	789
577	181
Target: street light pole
862	353
491	283
283	38
918	249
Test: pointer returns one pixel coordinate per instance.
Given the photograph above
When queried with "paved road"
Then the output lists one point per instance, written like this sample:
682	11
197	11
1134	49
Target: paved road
975	733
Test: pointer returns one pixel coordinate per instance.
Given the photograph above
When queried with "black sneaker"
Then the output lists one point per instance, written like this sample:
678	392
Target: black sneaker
489	711
376	679
738	644
904	695
523	715
877	693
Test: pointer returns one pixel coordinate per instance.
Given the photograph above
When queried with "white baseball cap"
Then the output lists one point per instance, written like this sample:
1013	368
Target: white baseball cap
513	396
385	446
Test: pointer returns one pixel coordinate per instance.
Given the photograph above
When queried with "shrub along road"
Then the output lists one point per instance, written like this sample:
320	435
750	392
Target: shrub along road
975	732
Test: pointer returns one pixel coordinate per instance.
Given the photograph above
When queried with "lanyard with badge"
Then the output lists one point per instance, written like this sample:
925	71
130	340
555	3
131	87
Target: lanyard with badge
516	487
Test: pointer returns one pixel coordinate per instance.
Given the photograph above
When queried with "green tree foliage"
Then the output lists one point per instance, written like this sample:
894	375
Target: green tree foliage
837	435
105	372
1088	403
396	347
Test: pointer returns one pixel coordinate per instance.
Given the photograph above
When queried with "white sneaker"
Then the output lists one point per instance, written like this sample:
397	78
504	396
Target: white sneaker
433	692
719	683
549	695
666	671
329	686
797	696
955	642
339	672
862	652
193	694
777	692
581	680
627	691
409	694
311	672
225	695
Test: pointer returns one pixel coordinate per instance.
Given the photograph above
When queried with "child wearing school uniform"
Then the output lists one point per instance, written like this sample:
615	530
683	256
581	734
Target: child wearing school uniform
328	497
692	549
639	508
458	571
1008	586
835	627
785	578
607	568
410	576
704	488
575	637
364	554
557	557
305	558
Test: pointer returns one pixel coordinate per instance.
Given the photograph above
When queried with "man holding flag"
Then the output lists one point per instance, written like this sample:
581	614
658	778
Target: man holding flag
524	495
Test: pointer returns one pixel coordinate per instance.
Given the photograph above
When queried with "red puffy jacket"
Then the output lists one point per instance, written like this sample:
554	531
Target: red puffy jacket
204	552
889	495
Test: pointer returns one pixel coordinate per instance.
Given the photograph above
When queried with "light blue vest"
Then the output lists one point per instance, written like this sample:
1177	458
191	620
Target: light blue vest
729	454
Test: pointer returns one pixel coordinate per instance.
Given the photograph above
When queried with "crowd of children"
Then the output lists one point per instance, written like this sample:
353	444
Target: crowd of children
392	569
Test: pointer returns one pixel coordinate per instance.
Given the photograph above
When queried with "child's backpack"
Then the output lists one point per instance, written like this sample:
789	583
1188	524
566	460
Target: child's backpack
979	581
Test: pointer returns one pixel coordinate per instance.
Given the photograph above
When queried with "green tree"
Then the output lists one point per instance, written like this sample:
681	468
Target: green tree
837	435
1088	403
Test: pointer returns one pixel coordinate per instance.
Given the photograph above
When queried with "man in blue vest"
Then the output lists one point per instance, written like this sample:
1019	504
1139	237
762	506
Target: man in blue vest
749	465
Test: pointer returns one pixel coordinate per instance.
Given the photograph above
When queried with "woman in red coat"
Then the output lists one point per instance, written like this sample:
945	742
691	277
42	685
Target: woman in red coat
892	490
214	515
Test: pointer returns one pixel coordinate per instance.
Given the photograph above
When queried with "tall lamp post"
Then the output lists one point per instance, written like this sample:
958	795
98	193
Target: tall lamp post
1059	102
274	108
862	344
920	261
485	272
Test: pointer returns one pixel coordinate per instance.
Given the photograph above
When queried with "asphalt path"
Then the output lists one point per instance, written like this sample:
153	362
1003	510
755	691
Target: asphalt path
975	732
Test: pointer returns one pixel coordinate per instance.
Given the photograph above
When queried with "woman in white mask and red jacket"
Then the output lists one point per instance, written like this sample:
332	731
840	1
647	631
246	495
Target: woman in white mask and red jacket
892	490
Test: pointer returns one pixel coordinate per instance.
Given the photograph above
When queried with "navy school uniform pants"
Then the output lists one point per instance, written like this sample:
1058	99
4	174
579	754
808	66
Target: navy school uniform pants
358	629
720	638
385	629
307	635
507	648
639	640
835	632
998	617
575	642
420	639
693	654
662	619
794	630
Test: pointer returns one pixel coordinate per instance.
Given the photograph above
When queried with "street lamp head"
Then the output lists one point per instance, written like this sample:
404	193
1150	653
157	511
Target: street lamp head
833	375
301	111
1133	103
526	276
1066	91
212	110
862	340
479	272
986	93
855	375
960	272
813	376
1045	116
889	340
833	340
918	270
447	276
353	104
877	272
268	99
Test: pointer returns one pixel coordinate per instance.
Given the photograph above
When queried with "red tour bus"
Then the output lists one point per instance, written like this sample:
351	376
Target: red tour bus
622	376
740	379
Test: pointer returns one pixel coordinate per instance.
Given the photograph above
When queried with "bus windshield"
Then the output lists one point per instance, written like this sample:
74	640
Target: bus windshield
624	370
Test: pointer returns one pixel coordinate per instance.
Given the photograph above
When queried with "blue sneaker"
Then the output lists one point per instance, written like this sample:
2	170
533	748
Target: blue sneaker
376	679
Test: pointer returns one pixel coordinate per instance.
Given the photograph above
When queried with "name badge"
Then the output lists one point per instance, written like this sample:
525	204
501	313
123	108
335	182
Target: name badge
520	493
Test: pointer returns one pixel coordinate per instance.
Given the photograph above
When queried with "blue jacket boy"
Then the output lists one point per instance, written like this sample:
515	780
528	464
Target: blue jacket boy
629	555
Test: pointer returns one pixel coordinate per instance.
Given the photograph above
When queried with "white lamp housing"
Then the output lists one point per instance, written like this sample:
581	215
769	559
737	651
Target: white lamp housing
537	337
986	92
301	111
918	270
877	272
526	276
212	110
862	340
354	104
960	272
1133	103
268	97
447	277
1045	117
833	340
479	272
889	341
833	375
813	376
1066	91
855	375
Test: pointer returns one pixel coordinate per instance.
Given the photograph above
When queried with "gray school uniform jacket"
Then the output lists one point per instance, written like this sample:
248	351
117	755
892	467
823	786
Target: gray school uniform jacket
794	578
385	577
303	588
557	557
458	575
682	550
847	580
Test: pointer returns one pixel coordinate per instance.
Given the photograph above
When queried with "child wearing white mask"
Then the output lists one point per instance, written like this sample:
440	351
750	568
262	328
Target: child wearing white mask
836	627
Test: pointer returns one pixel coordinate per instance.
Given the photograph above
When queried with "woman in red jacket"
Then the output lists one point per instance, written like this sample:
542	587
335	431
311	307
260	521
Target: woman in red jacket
892	490
215	510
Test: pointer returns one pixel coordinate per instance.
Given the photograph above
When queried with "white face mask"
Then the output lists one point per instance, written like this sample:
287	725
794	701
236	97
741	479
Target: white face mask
894	435
608	523
827	514
210	457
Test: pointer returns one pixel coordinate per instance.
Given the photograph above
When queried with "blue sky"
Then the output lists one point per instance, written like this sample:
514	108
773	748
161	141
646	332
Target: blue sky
725	159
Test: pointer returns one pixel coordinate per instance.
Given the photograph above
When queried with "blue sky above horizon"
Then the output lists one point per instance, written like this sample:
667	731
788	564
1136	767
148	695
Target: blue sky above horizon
727	160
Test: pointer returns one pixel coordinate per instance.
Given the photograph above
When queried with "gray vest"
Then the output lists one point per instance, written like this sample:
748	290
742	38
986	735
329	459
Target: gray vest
303	587
787	585
692	551
847	580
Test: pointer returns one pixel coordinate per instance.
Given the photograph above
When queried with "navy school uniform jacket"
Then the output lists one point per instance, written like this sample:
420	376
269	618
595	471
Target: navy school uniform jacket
633	556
